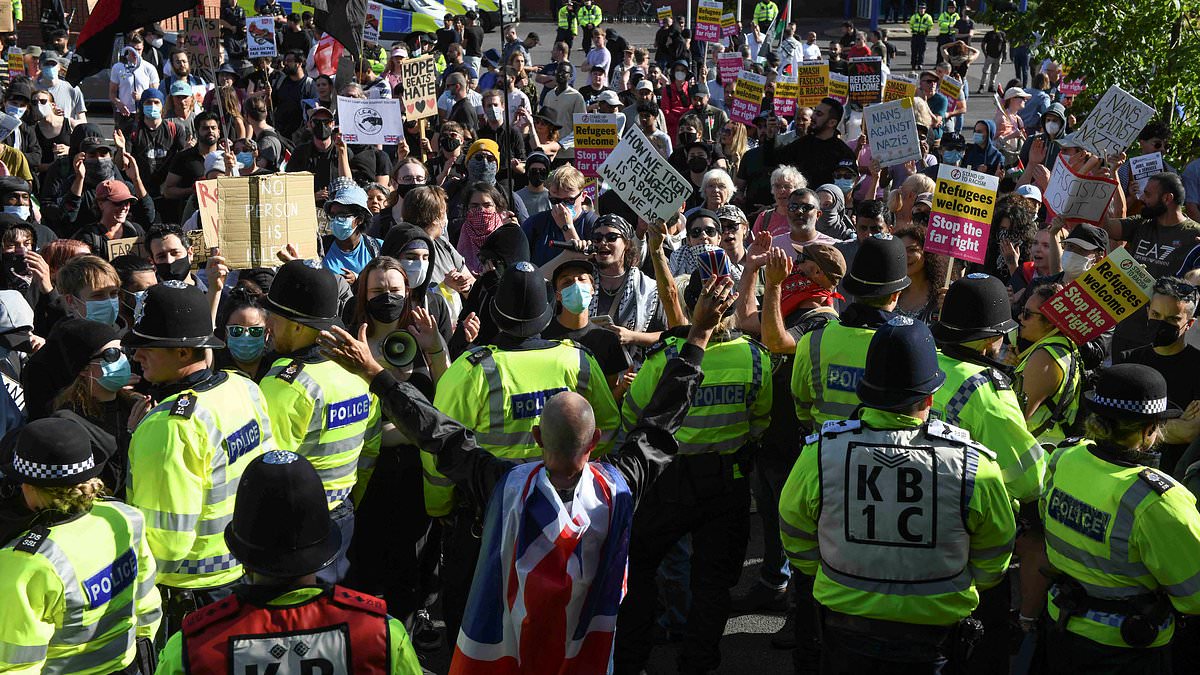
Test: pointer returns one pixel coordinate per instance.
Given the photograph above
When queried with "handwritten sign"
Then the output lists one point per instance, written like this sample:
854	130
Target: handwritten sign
729	25
963	205
664	14
784	100
252	218
951	88
1114	123
892	132
1144	166
812	83
126	246
1112	291
201	39
370	121
839	88
747	97
1077	197
643	178
418	87
373	21
595	138
708	21
728	66
866	80
897	87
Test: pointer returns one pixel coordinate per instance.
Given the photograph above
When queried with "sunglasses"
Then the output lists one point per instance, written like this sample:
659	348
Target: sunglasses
802	207
728	226
238	331
706	231
109	355
324	123
606	237
555	201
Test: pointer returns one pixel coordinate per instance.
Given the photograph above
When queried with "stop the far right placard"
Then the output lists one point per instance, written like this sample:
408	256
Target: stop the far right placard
963	205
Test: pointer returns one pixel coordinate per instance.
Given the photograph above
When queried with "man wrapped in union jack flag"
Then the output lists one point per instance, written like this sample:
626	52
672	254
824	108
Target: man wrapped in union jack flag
556	532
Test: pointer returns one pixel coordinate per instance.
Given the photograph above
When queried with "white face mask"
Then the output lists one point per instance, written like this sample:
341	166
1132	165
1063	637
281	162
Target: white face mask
680	76
414	271
1053	128
1074	264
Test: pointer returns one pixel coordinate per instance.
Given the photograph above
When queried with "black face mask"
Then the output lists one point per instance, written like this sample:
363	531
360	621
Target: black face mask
697	164
386	308
537	177
405	188
1162	334
449	144
687	138
322	132
173	271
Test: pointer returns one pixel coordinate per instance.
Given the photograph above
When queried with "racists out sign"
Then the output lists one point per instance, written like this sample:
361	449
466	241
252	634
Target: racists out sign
892	132
595	138
418	87
1077	197
1114	123
747	97
963	205
643	179
866	80
812	83
1112	291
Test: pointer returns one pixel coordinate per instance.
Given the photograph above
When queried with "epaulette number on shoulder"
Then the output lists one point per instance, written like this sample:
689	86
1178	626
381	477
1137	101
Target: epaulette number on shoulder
835	427
1000	380
291	371
1069	442
1158	482
657	347
476	355
184	406
33	540
956	435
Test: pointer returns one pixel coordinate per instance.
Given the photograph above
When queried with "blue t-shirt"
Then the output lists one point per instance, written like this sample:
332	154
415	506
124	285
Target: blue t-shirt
336	260
540	229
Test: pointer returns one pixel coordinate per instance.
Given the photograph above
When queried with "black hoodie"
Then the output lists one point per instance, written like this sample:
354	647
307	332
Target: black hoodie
397	238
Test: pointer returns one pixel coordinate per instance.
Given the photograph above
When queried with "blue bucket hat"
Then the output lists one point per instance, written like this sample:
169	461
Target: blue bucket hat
348	193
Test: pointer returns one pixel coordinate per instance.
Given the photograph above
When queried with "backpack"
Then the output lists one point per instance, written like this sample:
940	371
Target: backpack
286	145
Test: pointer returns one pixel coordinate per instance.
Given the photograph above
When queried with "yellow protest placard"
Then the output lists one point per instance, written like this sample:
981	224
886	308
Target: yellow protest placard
784	100
747	97
950	88
664	14
1114	290
708	21
839	87
812	83
897	87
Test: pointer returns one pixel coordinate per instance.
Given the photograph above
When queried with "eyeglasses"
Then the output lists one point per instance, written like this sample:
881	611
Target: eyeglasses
411	180
606	237
801	207
236	331
1027	313
555	201
706	231
109	355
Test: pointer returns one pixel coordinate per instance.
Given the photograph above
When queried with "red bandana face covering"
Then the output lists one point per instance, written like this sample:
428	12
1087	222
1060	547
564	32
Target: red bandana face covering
799	289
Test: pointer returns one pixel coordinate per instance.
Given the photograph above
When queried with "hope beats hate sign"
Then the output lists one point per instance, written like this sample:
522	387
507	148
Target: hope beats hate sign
962	213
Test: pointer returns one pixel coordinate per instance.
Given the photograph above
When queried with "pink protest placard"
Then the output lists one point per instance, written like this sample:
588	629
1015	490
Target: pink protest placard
963	204
747	97
784	100
728	66
708	21
729	25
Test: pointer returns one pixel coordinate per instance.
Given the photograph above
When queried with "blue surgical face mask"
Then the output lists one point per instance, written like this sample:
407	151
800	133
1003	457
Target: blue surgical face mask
246	348
571	209
246	159
152	111
115	375
342	227
844	184
577	297
979	138
21	211
103	311
15	111
952	156
50	72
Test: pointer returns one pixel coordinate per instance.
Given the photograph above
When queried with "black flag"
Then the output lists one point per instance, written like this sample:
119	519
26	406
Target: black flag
344	22
110	18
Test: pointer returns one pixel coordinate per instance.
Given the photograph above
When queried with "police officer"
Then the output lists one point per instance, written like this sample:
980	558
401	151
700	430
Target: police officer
498	392
978	396
317	409
829	361
188	453
902	519
764	13
1122	538
568	25
283	534
945	22
589	14
920	24
705	492
77	590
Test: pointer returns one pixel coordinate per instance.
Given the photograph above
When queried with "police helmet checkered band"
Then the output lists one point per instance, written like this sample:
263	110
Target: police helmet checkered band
882	235
35	470
900	321
524	267
279	457
977	275
315	264
1152	407
173	283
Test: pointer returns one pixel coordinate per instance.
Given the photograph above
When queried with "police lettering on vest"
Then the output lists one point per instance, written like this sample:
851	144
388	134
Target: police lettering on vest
112	580
719	395
348	412
843	378
1080	516
242	441
526	406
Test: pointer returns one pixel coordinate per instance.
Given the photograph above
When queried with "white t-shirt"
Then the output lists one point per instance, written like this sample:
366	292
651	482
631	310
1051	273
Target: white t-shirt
446	102
132	81
810	52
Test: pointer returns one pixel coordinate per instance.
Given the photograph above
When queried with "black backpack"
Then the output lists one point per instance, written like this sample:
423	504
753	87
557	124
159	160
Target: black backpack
285	143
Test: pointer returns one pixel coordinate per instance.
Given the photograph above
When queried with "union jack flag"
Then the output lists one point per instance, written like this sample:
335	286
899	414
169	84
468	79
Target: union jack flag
712	262
550	577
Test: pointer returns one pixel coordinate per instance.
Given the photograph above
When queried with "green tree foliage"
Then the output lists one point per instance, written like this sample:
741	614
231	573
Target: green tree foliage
1150	48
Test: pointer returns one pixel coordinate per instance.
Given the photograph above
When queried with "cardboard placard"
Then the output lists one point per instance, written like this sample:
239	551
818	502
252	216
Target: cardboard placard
892	132
728	66
126	246
595	138
951	88
643	178
251	218
729	25
812	82
1077	197
6	16
747	97
866	80
1114	123
260	36
418	87
708	21
370	121
200	39
372	22
784	101
839	88
1144	166
963	205
1112	291
897	87
664	14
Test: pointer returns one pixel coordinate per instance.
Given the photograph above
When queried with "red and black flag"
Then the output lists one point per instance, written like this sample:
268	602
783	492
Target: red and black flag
344	22
110	18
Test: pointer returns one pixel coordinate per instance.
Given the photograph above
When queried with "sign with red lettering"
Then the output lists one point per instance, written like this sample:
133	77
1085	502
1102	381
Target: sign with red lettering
1077	197
1112	291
